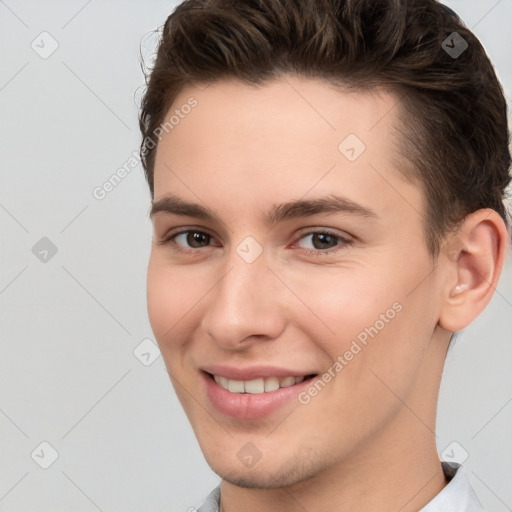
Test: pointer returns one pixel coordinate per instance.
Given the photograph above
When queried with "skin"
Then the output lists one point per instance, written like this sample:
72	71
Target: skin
242	150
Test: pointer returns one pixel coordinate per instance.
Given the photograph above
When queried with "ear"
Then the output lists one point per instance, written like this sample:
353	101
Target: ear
474	257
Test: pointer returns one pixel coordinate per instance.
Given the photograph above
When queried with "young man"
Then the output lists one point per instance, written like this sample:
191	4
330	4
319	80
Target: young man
327	180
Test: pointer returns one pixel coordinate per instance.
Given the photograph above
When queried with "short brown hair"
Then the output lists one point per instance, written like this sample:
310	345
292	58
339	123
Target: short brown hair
454	128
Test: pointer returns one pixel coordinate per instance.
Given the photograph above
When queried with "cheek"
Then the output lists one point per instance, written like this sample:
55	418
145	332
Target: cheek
169	298
159	301
344	302
369	318
385	341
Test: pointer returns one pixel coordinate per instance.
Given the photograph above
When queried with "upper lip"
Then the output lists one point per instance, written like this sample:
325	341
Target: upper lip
252	372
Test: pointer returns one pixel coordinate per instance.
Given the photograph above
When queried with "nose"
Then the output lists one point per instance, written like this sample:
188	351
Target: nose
245	305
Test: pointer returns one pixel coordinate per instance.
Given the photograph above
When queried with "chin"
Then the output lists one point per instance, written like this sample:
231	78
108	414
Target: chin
265	476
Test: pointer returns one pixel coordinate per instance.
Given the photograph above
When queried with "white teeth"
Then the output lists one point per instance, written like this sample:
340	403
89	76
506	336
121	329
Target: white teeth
287	382
236	386
271	384
221	381
256	386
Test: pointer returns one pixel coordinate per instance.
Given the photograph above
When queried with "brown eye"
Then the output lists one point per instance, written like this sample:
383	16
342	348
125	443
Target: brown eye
323	241
320	241
188	240
196	239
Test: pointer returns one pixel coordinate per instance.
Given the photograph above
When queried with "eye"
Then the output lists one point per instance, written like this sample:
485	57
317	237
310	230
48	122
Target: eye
194	239
322	242
187	241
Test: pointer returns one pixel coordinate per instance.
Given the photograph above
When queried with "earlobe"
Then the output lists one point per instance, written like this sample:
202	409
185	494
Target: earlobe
474	268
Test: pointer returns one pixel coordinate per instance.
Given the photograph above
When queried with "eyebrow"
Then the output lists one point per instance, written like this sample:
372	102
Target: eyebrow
290	210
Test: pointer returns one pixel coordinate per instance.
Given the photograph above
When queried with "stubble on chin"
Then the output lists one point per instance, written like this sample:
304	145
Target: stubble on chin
290	474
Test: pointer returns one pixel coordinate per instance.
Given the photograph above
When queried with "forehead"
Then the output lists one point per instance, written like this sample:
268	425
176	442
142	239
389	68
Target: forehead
297	108
291	134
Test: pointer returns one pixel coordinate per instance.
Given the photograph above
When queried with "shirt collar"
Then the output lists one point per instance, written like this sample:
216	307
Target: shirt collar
457	495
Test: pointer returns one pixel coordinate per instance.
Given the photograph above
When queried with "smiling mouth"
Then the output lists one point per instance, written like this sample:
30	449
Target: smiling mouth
259	385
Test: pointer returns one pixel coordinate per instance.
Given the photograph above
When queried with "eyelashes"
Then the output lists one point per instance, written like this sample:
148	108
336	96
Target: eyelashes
194	241
322	236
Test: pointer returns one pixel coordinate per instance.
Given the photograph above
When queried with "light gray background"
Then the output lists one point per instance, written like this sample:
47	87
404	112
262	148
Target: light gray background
68	374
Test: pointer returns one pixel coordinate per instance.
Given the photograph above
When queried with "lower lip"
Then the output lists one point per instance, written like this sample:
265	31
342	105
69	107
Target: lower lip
248	406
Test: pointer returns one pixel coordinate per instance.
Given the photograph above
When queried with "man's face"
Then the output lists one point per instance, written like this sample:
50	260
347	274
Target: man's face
280	294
